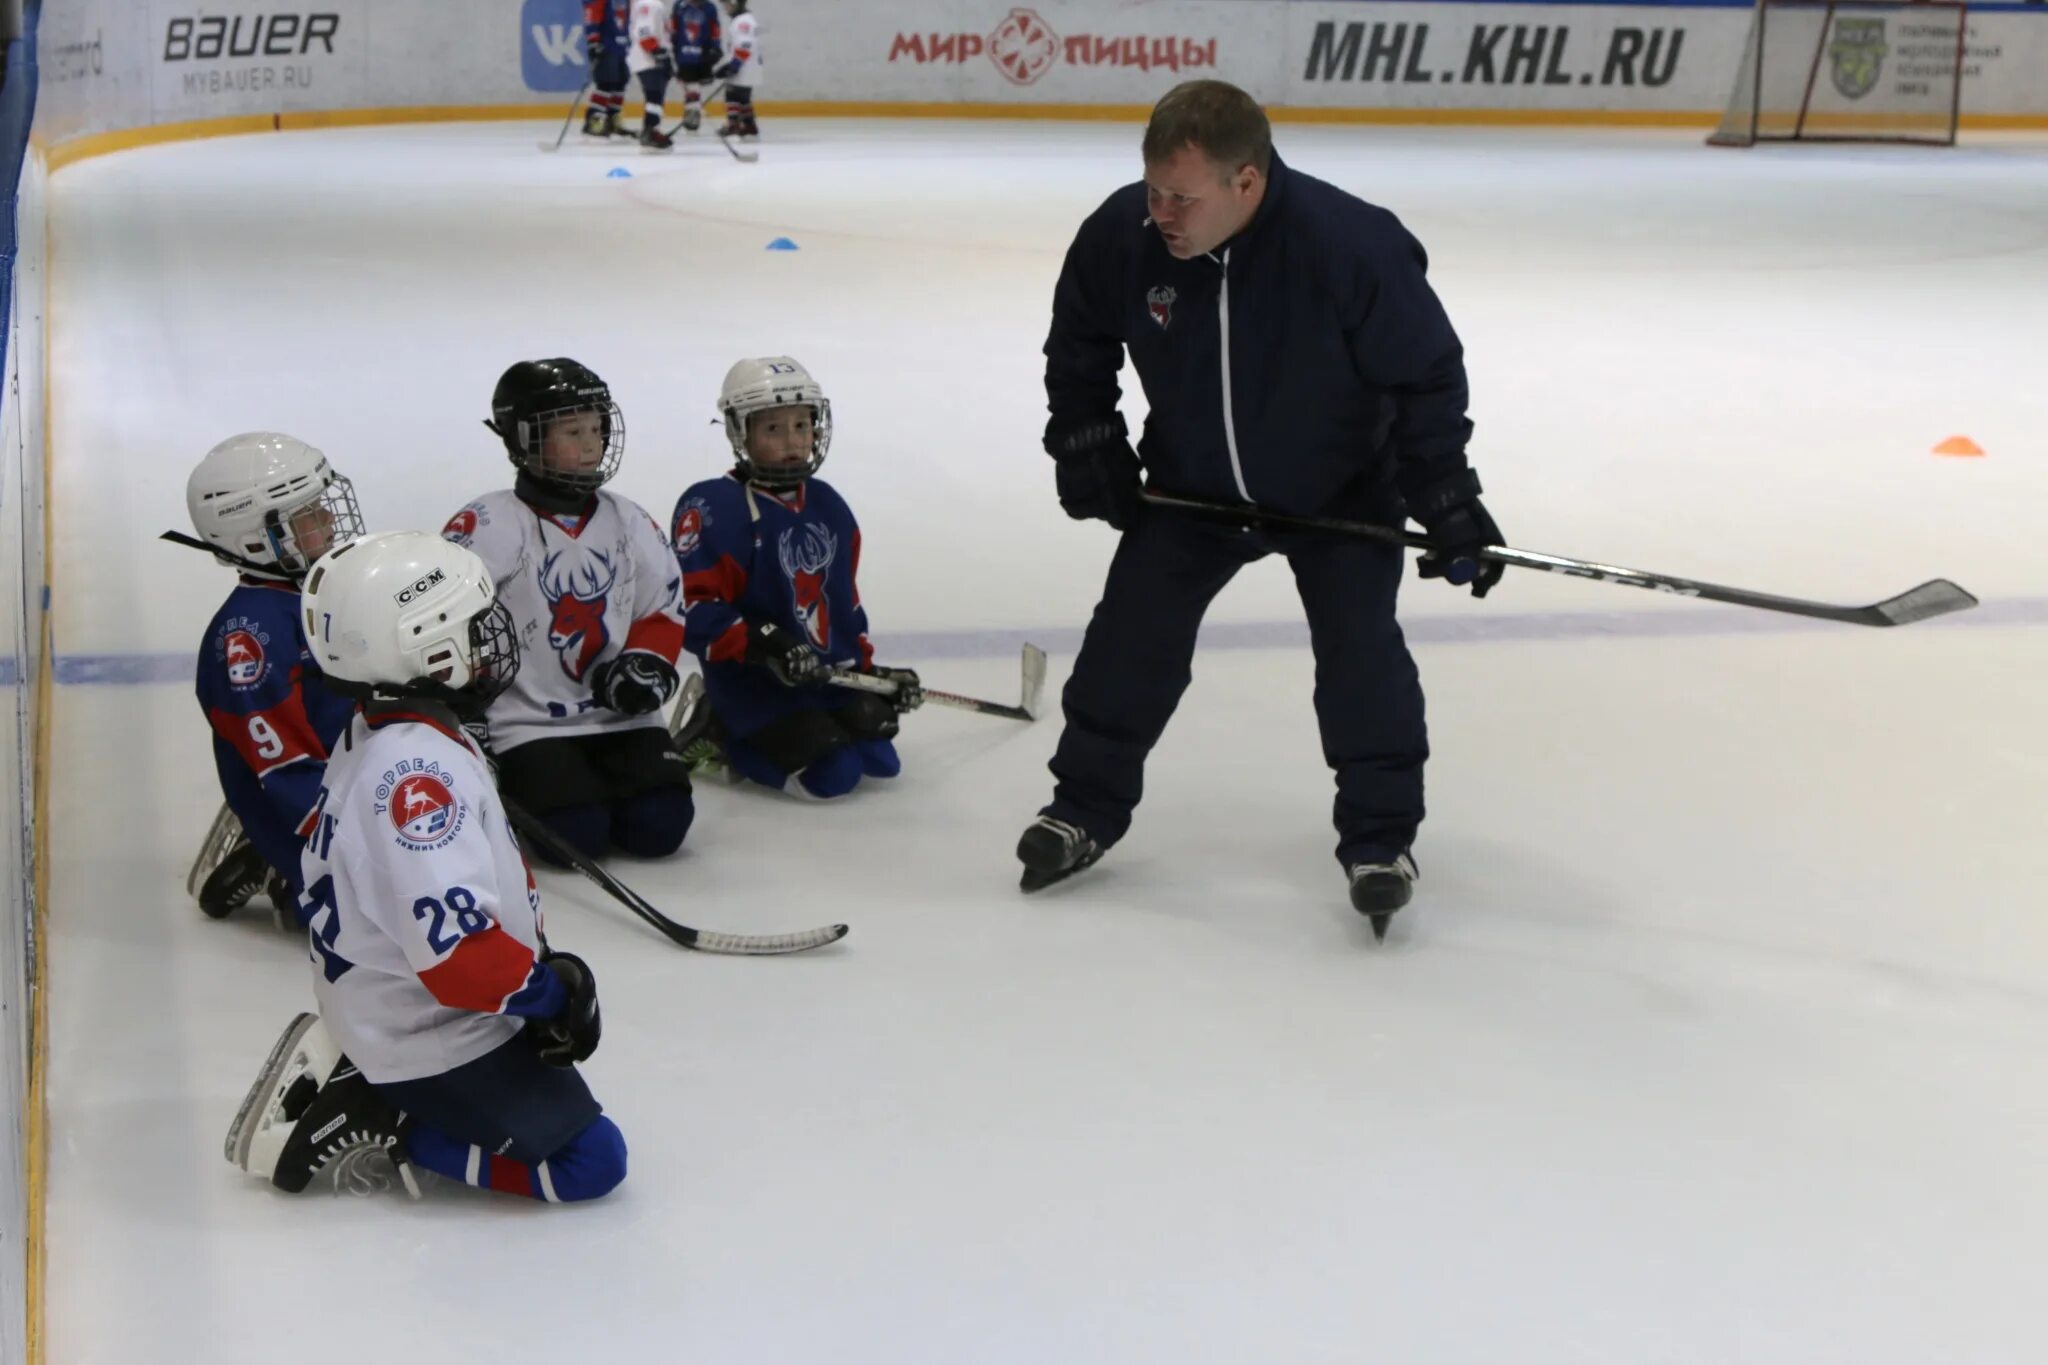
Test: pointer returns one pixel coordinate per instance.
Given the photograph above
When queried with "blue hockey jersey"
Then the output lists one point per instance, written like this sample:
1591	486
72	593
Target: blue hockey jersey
751	556
699	42
604	21
274	720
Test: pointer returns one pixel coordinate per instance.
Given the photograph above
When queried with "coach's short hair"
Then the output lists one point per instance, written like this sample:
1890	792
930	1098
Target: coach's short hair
1216	116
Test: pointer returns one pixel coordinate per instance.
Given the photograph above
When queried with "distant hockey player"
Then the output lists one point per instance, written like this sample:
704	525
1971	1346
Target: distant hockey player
596	596
604	45
650	56
741	72
769	554
699	46
270	505
448	1030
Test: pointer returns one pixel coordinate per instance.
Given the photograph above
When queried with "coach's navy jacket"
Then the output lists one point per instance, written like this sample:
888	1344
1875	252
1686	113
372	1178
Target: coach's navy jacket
1345	382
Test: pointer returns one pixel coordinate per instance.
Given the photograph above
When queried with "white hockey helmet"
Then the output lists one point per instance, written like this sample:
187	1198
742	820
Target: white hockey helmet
254	495
775	381
406	613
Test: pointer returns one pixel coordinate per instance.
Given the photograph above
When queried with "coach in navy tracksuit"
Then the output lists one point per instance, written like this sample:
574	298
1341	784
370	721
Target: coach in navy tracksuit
1295	359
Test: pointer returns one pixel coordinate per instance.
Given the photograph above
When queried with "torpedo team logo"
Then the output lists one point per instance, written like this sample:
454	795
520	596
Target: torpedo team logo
577	595
1159	303
690	524
807	556
461	527
423	810
243	653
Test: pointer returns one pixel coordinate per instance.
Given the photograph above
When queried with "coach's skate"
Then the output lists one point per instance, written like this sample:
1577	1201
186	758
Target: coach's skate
310	1111
1053	850
1379	889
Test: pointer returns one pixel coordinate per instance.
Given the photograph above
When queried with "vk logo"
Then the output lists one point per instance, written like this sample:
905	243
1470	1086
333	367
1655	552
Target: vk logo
551	44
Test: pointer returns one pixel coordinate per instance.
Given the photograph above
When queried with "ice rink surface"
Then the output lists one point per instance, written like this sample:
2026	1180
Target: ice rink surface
1713	1034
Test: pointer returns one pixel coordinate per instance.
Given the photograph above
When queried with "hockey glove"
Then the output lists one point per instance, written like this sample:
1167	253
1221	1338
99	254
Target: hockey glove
1459	528
1096	471
725	71
479	732
571	1036
593	50
634	683
909	694
794	663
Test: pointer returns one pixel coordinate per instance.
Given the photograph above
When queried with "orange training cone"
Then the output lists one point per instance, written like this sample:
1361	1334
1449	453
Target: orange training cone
1959	445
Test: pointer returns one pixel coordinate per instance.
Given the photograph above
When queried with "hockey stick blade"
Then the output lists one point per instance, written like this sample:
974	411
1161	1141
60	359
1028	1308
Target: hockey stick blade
1938	597
1033	686
701	940
749	155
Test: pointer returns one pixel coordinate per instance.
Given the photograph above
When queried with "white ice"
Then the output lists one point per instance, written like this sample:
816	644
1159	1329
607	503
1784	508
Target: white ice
1713	1034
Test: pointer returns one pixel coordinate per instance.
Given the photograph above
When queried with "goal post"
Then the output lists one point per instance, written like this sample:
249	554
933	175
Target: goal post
1848	71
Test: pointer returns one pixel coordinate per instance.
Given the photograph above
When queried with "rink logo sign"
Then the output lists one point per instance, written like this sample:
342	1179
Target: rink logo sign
416	796
1159	303
1406	53
1023	47
209	37
216	55
419	587
1856	56
551	53
240	650
690	524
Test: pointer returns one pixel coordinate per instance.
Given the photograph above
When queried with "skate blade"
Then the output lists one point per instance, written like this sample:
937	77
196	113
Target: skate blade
242	1132
221	838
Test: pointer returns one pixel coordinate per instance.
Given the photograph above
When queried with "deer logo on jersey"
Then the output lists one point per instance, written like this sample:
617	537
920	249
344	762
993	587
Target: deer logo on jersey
576	603
243	653
421	809
806	553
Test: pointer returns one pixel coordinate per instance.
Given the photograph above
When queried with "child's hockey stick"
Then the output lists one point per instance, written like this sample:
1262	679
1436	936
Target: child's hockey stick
574	105
703	940
1026	709
1936	597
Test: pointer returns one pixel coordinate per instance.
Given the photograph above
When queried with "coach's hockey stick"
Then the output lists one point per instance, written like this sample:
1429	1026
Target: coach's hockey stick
1936	597
1026	708
703	940
574	105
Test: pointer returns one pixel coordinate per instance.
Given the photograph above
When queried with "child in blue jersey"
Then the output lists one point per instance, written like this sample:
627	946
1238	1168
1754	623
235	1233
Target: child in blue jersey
270	505
604	47
769	554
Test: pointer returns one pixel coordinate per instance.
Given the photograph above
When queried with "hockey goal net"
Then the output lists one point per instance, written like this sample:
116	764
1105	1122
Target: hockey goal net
1848	71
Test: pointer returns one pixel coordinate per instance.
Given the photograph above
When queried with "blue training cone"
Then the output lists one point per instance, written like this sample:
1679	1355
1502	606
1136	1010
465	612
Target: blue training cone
782	244
618	173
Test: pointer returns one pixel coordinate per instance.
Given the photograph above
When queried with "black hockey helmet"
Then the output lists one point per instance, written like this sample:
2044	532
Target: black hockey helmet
535	392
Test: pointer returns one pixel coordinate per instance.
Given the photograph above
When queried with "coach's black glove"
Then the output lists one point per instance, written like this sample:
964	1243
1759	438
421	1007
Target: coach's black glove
725	71
1096	471
593	49
1459	528
794	663
909	694
571	1036
634	683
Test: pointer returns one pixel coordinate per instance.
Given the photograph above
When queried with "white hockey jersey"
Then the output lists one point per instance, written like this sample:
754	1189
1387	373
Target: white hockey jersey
425	922
580	591
743	45
650	31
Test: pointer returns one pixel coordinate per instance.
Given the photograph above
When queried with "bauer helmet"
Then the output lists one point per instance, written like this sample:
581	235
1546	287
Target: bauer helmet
774	381
408	614
257	496
532	396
